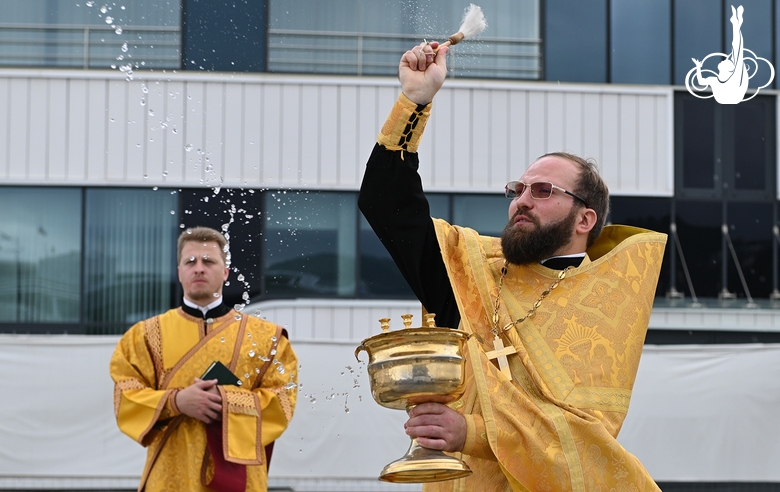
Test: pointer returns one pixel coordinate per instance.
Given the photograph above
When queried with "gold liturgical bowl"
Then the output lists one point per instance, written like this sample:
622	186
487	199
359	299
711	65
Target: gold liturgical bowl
412	366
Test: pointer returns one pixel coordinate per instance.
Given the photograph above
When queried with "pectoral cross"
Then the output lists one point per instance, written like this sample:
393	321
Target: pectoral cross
500	353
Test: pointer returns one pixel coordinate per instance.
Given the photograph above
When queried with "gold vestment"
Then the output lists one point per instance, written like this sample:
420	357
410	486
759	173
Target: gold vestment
161	355
553	426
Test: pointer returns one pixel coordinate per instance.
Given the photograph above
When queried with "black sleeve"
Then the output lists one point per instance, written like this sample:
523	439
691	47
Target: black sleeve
393	202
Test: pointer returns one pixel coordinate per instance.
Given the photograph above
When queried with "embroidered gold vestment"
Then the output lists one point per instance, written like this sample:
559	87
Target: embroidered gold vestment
553	426
159	356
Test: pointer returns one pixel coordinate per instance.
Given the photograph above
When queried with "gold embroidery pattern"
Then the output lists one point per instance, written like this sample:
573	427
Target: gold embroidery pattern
243	403
553	428
153	337
122	386
404	126
605	298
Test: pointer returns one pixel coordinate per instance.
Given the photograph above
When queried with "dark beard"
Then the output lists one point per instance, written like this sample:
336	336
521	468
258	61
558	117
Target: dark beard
521	247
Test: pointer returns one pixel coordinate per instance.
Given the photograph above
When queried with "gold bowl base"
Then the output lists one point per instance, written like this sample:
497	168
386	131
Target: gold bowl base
420	465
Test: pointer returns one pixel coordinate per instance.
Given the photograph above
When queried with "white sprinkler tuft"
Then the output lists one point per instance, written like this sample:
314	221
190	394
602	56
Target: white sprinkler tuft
473	22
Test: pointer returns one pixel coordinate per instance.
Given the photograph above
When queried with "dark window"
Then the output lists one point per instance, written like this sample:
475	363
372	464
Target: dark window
697	33
129	243
699	231
575	40
756	34
750	231
696	139
725	151
40	255
640	42
310	244
486	214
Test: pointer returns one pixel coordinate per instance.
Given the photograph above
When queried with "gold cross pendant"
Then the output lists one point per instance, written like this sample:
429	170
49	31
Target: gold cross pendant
500	353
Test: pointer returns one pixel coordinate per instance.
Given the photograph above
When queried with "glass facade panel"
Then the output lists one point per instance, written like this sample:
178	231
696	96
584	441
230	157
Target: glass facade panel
697	33
130	250
697	141
310	244
367	38
486	214
575	40
61	33
698	227
640	42
750	229
40	255
756	34
750	160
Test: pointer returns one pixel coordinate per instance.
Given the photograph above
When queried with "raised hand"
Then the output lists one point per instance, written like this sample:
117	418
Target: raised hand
422	71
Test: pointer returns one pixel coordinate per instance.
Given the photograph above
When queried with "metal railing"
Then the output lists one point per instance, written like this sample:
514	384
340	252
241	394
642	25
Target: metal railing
89	46
355	53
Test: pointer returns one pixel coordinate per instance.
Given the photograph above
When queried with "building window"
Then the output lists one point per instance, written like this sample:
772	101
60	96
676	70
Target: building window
310	244
640	34
697	33
129	251
354	37
725	151
486	214
90	34
575	40
40	256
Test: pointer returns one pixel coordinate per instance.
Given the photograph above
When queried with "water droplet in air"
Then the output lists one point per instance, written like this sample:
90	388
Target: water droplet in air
238	317
118	30
280	369
246	375
273	338
124	46
251	353
109	19
273	352
90	3
188	147
103	9
151	112
240	278
173	212
222	339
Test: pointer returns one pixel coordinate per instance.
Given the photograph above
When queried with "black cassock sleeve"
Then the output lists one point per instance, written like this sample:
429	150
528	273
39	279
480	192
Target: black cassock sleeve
393	202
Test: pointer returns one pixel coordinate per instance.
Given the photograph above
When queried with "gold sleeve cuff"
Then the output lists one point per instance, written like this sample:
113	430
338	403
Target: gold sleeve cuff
477	444
170	405
404	127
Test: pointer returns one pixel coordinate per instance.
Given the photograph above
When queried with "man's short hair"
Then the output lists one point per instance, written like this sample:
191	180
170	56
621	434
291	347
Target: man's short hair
591	188
202	234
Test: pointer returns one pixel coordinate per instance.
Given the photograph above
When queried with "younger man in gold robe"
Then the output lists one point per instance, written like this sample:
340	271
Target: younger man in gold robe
202	435
567	298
